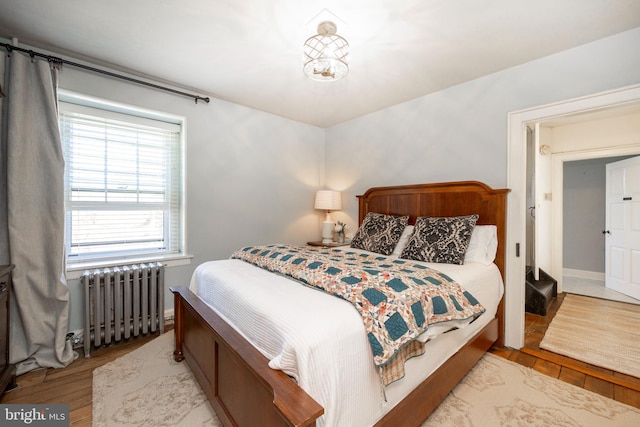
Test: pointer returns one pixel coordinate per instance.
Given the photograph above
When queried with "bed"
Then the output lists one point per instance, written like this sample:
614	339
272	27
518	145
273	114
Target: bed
245	391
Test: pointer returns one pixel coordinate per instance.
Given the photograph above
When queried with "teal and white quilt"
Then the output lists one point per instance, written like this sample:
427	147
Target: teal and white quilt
397	299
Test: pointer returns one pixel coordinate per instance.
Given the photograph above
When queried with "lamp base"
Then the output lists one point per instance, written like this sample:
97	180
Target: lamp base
327	232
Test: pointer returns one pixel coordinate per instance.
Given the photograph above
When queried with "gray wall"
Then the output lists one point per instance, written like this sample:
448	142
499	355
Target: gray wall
250	176
584	191
461	133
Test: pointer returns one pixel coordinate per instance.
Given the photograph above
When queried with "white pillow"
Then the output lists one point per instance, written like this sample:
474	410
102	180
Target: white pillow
404	239
483	245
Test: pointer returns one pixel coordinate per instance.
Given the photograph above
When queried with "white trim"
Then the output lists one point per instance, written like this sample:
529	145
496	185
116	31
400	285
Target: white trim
81	99
516	181
74	271
583	274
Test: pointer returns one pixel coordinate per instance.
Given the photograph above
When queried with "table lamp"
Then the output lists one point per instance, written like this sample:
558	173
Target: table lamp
330	201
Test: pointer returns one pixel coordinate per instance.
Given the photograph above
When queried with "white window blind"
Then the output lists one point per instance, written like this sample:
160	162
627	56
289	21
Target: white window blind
122	184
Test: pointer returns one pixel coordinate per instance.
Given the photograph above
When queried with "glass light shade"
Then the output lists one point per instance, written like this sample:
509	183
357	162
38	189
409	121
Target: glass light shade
326	54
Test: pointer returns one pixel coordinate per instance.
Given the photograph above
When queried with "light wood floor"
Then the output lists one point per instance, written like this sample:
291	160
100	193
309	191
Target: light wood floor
73	385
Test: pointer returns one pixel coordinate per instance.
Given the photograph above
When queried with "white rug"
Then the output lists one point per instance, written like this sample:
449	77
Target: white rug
147	388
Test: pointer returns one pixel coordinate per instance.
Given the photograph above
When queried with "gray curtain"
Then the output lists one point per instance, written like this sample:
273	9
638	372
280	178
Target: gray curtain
31	192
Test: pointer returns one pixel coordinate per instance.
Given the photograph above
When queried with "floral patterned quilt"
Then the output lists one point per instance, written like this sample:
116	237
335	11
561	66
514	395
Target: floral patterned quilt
398	299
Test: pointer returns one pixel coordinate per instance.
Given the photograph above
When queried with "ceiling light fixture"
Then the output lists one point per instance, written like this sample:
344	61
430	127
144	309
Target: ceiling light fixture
325	54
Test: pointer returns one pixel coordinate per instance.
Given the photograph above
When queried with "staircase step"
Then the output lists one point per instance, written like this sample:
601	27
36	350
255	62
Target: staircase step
539	293
544	287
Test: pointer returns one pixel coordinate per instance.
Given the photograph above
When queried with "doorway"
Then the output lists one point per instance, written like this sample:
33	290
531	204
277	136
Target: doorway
566	211
596	104
584	221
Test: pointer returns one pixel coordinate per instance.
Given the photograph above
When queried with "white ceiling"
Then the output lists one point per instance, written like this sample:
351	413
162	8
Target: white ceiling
250	51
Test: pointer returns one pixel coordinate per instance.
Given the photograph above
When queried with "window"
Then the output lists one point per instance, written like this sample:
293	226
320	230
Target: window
123	181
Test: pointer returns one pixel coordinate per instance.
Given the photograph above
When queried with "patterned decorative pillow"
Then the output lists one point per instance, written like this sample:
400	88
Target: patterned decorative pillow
444	240
379	233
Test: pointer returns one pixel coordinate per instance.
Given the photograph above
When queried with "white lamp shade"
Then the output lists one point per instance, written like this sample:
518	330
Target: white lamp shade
328	200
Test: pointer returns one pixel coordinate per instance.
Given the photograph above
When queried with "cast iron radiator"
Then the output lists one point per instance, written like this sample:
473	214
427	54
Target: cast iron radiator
121	302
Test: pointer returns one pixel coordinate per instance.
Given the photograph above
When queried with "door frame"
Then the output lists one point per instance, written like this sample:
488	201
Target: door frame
516	202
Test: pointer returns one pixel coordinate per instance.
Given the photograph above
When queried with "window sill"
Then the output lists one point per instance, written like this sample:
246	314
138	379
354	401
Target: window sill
74	271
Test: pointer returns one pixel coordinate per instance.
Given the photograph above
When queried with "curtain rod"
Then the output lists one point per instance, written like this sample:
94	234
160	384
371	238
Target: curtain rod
55	60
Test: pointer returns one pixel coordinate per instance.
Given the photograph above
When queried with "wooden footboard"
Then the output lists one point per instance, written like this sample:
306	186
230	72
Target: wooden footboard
244	391
236	378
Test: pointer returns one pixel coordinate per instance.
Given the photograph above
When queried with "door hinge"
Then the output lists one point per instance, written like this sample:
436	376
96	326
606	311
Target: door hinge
518	250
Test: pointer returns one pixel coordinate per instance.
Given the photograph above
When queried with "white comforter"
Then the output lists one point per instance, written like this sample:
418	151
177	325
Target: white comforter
320	340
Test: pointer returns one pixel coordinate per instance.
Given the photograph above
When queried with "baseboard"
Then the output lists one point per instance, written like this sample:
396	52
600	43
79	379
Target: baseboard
168	314
583	274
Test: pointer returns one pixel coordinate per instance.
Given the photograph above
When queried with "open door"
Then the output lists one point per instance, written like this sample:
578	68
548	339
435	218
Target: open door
543	233
538	203
622	247
540	287
531	201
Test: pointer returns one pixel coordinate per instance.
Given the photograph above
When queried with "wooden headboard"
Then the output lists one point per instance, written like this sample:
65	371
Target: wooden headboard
442	199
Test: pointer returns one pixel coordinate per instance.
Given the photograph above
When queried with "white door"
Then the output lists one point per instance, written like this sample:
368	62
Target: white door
622	247
531	247
536	202
543	211
539	198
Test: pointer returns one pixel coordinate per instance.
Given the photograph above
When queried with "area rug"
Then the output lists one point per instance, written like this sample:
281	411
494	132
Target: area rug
147	388
597	331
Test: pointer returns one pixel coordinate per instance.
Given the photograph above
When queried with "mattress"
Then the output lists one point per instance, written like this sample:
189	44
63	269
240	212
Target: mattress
319	340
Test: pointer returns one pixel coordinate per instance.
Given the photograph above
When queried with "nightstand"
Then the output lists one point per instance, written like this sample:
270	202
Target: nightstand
328	245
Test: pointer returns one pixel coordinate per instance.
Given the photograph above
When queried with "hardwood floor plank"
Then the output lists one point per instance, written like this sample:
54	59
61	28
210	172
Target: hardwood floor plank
603	371
81	392
548	368
523	359
597	385
571	376
628	396
33	377
82	416
504	352
73	380
627	380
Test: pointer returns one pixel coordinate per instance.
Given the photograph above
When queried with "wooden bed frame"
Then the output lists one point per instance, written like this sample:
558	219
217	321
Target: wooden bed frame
235	376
